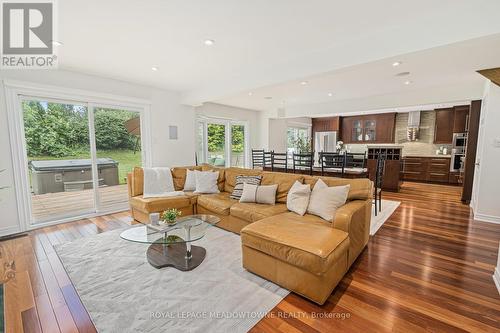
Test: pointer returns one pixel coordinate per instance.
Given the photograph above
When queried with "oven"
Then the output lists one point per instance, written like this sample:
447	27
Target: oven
457	157
459	140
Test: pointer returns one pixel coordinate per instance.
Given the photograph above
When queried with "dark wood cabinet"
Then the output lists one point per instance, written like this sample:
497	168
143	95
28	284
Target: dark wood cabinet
426	169
326	124
460	119
443	130
449	121
374	128
391	179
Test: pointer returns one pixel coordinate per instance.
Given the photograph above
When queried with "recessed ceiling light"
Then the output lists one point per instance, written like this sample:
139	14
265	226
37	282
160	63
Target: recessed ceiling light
250	93
209	42
330	94
396	63
304	83
407	82
56	43
154	68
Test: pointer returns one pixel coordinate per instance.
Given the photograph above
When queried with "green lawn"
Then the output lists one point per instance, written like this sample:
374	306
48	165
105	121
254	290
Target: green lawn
126	159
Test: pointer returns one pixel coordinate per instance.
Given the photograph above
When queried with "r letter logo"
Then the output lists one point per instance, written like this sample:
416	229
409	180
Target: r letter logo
28	35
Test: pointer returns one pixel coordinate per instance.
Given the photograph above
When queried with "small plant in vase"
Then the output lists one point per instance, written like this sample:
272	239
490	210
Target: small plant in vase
170	216
340	147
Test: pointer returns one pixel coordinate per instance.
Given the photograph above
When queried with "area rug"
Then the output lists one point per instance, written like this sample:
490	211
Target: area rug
388	207
123	293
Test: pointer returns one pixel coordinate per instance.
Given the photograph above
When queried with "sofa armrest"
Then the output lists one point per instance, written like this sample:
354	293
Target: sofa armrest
348	213
354	218
130	179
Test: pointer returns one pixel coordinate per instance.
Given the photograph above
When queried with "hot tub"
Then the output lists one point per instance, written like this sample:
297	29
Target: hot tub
52	176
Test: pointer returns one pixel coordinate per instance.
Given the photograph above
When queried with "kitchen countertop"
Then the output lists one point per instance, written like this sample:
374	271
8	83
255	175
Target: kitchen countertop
430	155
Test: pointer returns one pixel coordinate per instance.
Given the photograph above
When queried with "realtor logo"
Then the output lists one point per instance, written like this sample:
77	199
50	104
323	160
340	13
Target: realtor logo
28	35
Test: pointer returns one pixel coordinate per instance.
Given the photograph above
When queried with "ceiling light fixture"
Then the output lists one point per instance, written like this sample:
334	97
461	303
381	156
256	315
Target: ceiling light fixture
154	68
250	93
209	42
407	82
396	64
330	94
304	83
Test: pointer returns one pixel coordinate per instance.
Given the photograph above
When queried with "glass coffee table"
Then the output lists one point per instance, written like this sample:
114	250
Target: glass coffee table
172	246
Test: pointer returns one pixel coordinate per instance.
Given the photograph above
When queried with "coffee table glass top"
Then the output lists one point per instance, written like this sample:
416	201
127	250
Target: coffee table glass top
187	229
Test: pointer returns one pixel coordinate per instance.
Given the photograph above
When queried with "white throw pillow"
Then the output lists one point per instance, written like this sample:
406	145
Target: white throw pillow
297	199
263	194
206	181
158	183
325	200
190	183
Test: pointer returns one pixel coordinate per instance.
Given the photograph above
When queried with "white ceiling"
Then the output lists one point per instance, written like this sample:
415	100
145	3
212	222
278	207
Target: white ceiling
267	44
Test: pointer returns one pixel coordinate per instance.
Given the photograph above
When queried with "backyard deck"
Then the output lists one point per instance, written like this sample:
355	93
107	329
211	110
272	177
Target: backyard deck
51	206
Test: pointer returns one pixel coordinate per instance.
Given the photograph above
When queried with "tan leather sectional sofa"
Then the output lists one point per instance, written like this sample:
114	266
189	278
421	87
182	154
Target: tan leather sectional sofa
305	254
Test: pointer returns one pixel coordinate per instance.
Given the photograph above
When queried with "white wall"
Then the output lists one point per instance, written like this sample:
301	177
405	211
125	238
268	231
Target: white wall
486	189
165	110
233	113
277	131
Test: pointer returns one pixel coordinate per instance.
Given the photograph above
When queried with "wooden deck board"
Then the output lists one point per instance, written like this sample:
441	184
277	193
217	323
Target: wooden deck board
51	206
429	268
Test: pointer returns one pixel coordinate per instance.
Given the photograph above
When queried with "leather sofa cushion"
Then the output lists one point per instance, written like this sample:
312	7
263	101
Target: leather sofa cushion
137	186
151	205
306	241
222	174
252	212
361	188
179	176
219	203
231	173
285	182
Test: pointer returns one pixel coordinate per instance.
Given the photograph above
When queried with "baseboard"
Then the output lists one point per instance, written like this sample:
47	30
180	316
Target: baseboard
496	278
487	218
9	230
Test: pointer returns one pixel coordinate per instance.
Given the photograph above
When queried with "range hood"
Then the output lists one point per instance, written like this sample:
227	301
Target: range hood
413	125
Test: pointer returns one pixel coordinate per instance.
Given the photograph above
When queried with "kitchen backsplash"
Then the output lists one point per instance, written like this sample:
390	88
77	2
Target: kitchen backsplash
424	145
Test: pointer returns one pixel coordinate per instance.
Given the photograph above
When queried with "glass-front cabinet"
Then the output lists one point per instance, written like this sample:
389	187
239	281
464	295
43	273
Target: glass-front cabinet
370	130
357	131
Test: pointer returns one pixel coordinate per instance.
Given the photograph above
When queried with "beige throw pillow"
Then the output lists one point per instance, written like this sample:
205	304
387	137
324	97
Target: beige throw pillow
325	201
297	199
263	194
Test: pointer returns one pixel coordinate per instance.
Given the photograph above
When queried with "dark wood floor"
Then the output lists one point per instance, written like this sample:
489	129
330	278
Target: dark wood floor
429	268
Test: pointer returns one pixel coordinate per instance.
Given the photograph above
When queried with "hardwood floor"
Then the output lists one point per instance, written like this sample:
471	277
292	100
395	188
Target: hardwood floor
429	268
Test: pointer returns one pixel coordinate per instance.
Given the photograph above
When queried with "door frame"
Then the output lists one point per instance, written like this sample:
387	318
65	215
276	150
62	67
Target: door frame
15	91
203	120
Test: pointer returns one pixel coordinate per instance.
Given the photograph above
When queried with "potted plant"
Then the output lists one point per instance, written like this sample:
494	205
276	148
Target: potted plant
303	145
170	216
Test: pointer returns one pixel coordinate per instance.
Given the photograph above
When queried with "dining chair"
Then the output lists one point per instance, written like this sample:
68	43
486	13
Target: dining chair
332	161
303	162
355	160
379	178
279	161
257	158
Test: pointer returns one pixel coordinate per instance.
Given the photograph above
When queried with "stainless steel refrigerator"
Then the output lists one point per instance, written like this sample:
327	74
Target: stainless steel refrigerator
324	142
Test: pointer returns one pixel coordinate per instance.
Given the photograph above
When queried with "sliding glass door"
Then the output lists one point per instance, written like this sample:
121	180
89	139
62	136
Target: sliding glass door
77	157
222	142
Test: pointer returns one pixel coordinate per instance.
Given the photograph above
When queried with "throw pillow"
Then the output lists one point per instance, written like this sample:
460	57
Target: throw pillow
297	199
240	180
206	181
325	200
190	183
263	194
158	183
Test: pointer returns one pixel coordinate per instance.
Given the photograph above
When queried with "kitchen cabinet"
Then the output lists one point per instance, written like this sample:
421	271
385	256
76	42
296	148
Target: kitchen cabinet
449	121
460	118
375	128
443	129
326	124
427	169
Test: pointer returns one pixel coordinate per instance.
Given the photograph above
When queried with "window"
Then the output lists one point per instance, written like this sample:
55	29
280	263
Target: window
222	142
298	140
